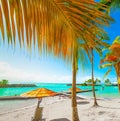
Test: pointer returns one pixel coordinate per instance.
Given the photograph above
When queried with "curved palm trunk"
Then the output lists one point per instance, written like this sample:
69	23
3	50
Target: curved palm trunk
119	84
118	77
94	95
75	116
118	74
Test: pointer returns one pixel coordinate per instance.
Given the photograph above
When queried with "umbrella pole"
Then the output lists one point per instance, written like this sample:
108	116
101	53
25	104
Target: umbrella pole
39	101
38	111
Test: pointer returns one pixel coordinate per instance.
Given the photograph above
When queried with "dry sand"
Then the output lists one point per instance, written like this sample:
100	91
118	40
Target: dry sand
59	109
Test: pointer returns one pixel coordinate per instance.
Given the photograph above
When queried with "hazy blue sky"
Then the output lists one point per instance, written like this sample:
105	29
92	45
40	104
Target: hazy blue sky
18	66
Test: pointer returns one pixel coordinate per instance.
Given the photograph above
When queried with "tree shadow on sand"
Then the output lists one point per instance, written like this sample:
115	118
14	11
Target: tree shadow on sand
109	107
60	119
83	102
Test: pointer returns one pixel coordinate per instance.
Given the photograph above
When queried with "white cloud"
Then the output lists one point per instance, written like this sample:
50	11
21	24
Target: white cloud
15	75
18	75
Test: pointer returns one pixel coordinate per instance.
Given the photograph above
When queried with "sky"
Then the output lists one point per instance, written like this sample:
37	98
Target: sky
19	66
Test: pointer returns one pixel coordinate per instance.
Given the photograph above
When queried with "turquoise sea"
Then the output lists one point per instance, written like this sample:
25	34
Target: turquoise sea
107	92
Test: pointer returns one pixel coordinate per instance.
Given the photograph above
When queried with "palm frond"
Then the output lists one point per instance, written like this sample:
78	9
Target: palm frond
112	3
106	65
1	22
84	56
116	40
53	25
107	73
7	19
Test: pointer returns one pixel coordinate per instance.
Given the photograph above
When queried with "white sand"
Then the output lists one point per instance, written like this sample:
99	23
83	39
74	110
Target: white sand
56	109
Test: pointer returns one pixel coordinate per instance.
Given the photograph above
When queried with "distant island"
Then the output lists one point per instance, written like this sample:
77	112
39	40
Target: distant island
83	84
97	82
5	83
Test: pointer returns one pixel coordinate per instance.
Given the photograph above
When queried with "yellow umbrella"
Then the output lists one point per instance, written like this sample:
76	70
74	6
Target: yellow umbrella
77	89
39	93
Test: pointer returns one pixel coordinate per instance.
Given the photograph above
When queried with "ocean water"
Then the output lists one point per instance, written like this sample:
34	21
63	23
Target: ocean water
107	92
103	91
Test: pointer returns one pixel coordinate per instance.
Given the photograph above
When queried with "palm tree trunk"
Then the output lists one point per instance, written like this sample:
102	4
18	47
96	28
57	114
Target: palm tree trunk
119	84
118	78
75	116
118	74
94	95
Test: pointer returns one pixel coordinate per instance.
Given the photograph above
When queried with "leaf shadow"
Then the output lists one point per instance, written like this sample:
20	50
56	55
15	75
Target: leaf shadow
60	119
109	107
83	102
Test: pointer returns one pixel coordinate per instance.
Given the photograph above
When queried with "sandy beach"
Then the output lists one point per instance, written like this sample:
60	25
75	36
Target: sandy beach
59	109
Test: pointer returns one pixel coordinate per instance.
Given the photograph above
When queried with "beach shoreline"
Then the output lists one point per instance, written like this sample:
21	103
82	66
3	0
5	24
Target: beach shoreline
59	109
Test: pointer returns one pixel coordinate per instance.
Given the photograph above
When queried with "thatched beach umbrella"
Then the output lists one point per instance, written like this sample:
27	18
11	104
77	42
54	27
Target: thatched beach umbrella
39	93
77	89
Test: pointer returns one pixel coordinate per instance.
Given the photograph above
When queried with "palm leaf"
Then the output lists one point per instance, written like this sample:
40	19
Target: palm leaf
111	3
1	22
54	25
106	65
83	55
108	71
12	4
7	19
116	40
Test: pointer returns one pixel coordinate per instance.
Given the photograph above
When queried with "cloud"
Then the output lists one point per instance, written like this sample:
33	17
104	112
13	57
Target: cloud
15	75
19	75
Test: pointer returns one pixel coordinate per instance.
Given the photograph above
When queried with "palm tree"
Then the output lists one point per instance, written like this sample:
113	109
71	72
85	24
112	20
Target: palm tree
4	82
54	26
107	82
99	51
113	59
97	81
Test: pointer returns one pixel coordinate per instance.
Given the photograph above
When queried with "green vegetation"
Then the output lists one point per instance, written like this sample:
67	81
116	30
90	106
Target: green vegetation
112	59
97	82
107	82
17	85
5	83
88	82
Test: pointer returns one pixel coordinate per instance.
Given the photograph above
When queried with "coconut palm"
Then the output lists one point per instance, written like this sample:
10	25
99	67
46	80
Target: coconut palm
54	26
113	59
112	64
89	51
99	51
90	54
97	81
107	82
